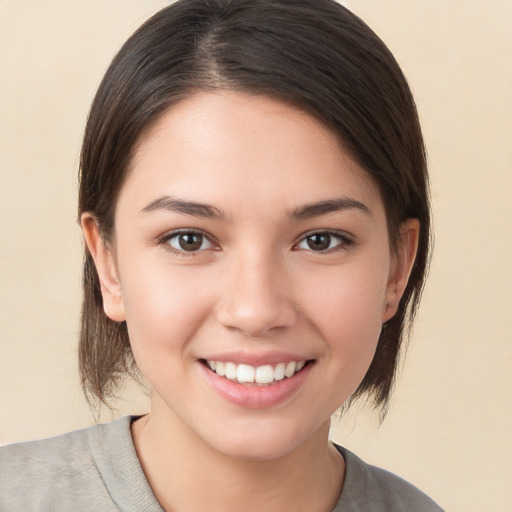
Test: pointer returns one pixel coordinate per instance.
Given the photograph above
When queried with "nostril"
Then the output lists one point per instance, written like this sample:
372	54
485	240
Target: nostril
257	316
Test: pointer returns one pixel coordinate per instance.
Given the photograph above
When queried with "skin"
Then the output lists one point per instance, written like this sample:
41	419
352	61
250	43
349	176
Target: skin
254	288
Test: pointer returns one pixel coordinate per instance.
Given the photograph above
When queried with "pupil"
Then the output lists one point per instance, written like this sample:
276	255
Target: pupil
190	241
319	242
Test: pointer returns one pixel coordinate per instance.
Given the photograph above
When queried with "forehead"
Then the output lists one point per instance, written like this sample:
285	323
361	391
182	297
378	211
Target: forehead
223	146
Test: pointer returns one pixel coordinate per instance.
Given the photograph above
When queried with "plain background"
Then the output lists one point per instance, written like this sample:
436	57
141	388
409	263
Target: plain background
449	427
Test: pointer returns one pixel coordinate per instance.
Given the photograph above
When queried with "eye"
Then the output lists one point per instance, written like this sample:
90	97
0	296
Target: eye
188	241
323	241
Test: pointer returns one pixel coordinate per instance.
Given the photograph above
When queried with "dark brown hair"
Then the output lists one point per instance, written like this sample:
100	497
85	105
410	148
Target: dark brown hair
313	54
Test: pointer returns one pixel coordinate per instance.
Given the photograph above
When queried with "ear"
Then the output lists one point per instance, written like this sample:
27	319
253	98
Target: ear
105	266
401	268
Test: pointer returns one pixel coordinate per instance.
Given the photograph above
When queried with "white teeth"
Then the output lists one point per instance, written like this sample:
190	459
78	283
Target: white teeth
265	374
290	369
230	370
279	371
220	368
245	373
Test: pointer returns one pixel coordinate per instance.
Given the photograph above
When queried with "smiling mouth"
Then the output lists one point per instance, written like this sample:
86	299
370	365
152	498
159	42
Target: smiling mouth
257	375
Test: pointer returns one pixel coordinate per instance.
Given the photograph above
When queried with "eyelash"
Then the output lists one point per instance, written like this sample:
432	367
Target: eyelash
165	239
344	241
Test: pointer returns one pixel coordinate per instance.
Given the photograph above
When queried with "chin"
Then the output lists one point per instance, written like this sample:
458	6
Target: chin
256	450
261	442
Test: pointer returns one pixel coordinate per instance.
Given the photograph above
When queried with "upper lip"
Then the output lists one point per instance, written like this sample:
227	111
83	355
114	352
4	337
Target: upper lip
257	359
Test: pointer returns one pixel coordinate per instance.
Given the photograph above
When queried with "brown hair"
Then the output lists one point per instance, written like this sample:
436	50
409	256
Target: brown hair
314	54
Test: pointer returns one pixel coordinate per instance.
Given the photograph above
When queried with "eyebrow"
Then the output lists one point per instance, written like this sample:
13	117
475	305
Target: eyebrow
307	211
329	206
171	204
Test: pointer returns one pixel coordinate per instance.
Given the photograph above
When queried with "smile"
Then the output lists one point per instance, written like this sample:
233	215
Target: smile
262	375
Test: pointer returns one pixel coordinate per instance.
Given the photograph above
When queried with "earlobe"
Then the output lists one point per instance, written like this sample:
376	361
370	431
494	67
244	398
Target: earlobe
402	267
105	266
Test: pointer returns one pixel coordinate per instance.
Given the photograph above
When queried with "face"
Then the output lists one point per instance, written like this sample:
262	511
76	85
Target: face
251	262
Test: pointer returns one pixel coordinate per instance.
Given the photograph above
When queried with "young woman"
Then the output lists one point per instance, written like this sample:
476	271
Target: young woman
254	200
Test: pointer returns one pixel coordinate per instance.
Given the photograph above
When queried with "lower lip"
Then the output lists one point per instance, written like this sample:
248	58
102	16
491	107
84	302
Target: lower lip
253	396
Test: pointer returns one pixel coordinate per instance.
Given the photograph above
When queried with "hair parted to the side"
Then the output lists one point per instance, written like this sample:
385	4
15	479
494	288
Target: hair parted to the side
313	54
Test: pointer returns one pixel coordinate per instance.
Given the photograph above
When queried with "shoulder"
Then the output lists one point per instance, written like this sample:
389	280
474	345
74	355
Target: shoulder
374	489
81	470
44	460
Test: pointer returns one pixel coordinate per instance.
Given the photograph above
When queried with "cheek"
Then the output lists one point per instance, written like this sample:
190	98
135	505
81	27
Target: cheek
163	312
347	310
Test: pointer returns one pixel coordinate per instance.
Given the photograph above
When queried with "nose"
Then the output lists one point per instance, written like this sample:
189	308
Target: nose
257	297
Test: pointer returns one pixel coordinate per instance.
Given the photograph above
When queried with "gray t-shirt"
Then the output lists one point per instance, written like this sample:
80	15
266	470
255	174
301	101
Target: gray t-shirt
96	469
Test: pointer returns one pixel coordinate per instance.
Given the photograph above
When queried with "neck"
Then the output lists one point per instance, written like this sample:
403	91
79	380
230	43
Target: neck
188	475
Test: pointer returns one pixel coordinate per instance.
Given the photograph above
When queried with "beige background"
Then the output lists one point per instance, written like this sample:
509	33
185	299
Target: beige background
450	424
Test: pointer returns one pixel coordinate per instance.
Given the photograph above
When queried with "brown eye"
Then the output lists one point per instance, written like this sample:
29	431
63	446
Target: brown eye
319	242
324	241
189	242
